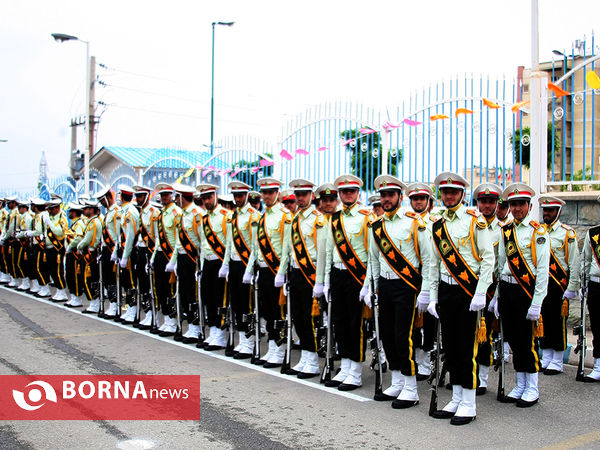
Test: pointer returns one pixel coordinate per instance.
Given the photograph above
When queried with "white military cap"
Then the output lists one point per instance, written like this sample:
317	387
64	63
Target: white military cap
254	195
300	184
91	204
75	206
102	193
548	201
164	188
518	191
388	183
487	190
184	189
419	189
374	200
452	180
124	189
268	183
139	189
326	190
238	187
348	182
207	188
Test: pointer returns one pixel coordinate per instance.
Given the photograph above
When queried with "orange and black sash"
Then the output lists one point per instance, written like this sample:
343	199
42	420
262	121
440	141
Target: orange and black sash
301	253
394	257
347	254
265	246
107	239
58	244
164	243
453	260
150	243
238	240
594	238
516	262
187	244
211	237
558	273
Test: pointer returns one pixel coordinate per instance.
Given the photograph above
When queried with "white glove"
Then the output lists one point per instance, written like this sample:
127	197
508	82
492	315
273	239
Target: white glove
326	292
1	241
534	312
46	220
68	250
570	294
423	301
123	263
29	233
171	267
279	280
114	257
318	290
224	271
493	308
151	265
368	301
478	302
364	292
431	309
247	278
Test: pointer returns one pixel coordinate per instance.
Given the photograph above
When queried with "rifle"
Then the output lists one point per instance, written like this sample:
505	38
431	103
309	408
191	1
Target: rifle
202	334
256	353
376	347
178	331
138	297
499	360
328	367
288	346
100	286
119	300
579	331
436	362
153	327
229	323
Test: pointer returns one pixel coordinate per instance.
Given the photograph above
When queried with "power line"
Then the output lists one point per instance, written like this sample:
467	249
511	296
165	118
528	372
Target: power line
104	66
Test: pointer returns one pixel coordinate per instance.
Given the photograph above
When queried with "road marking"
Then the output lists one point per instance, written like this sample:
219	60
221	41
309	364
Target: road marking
64	336
241	363
135	444
577	441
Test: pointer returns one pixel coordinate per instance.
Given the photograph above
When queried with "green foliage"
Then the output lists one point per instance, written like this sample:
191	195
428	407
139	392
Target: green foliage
365	161
517	146
580	177
246	176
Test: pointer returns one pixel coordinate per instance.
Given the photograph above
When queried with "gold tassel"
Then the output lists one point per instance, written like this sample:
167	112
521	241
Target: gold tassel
367	312
282	299
564	312
44	259
482	331
315	308
495	326
419	321
88	271
173	278
539	329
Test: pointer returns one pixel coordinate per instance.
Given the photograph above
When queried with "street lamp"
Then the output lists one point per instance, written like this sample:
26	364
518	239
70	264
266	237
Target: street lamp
212	85
59	37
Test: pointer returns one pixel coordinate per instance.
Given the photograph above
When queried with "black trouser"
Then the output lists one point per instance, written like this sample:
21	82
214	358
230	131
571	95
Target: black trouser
301	306
424	337
241	299
485	354
140	262
3	266
397	303
513	305
41	265
593	303
459	335
11	260
188	289
74	274
268	301
555	325
91	277
109	275
347	315
127	279
164	285
212	289
22	269
55	258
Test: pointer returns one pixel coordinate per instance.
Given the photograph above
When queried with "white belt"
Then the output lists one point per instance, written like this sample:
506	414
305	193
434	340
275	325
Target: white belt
389	276
210	257
262	264
448	279
181	251
595	279
509	279
235	256
340	266
141	244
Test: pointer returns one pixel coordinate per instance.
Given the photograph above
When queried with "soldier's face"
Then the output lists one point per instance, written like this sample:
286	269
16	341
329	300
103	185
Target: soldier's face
328	205
303	198
487	206
269	196
419	203
87	212
502	211
291	205
210	200
22	209
349	196
53	211
390	200
451	197
140	199
549	215
239	198
378	210
519	209
166	198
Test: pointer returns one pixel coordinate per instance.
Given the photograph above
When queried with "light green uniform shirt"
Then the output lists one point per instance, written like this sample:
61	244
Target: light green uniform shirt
563	242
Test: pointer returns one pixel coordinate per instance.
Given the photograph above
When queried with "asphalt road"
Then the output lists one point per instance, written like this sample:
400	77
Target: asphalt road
244	406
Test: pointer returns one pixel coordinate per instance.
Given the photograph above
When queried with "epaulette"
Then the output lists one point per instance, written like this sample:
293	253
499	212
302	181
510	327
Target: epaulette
320	220
412	215
567	227
473	212
366	212
537	227
224	211
434	218
287	216
175	213
571	233
251	209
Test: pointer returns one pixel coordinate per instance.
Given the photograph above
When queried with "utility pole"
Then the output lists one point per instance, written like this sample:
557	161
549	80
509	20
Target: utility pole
91	122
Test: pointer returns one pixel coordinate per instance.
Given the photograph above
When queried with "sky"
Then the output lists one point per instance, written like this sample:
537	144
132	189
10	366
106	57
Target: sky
280	58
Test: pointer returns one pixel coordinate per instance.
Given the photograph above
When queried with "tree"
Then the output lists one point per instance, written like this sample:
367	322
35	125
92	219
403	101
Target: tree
518	145
365	161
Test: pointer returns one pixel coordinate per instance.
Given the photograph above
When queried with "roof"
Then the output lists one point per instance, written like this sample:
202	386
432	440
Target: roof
167	158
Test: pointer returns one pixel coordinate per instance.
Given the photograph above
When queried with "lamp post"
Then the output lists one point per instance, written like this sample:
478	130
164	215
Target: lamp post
59	37
212	85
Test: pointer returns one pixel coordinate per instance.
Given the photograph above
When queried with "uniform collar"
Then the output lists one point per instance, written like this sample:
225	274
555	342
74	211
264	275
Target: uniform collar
306	212
350	210
554	226
244	208
391	217
524	222
459	212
